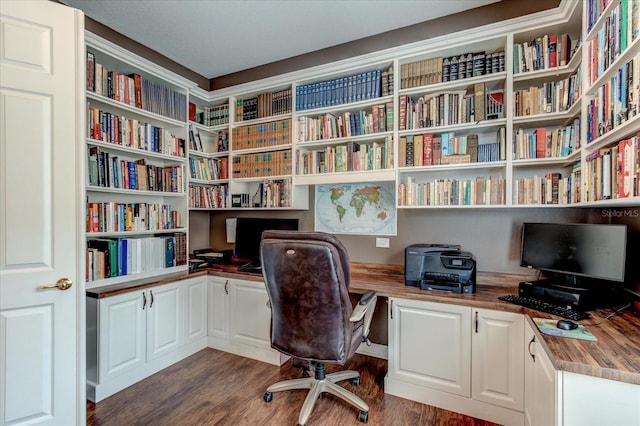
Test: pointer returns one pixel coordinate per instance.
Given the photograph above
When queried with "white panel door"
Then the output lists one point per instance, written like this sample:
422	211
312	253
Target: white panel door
250	315
430	345
122	334
218	307
165	321
195	308
41	98
498	358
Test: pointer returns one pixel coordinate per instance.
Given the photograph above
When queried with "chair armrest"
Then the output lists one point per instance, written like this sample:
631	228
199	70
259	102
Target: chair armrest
364	309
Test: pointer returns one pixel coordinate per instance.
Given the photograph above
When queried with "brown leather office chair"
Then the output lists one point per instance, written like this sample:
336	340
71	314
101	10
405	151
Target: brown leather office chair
307	276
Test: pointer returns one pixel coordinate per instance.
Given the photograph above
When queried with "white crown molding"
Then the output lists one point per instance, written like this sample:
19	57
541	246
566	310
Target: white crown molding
139	62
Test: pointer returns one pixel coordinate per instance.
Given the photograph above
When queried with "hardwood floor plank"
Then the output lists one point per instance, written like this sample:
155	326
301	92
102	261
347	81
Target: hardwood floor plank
216	388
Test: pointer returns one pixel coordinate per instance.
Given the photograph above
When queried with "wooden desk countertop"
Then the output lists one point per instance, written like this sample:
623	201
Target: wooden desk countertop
615	356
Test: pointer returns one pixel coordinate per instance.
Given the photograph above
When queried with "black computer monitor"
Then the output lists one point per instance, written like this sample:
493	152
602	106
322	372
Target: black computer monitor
573	251
249	234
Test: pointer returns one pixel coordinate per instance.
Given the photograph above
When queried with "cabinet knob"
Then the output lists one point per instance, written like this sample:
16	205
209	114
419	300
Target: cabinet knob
61	284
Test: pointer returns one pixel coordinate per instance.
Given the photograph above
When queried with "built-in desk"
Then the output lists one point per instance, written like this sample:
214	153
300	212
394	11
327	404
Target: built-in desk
615	356
608	368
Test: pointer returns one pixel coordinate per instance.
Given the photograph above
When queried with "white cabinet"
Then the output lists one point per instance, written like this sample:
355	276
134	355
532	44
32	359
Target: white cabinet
165	330
540	390
594	401
123	347
554	397
133	335
195	300
218	308
430	345
240	319
456	358
497	373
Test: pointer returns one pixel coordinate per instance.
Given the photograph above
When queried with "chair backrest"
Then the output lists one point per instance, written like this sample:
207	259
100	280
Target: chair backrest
307	277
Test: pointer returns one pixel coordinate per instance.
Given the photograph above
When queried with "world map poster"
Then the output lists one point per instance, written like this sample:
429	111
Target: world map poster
364	208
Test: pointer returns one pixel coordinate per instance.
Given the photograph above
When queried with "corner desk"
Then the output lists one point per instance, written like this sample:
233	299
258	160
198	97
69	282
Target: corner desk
469	353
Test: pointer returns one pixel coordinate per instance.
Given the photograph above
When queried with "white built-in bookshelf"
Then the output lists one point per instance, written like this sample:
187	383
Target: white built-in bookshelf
136	174
522	126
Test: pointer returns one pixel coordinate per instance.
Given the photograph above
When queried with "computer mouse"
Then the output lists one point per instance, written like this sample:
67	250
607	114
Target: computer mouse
566	325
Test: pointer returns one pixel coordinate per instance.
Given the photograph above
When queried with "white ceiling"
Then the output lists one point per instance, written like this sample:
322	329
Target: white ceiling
218	37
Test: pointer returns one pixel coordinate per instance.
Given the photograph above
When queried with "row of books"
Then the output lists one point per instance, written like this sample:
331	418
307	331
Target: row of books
553	96
547	143
452	192
108	258
108	171
429	149
262	164
119	130
543	52
450	108
616	100
262	135
272	193
208	197
614	172
210	116
351	157
343	90
221	141
613	37
377	119
209	168
135	90
450	68
112	216
551	188
263	105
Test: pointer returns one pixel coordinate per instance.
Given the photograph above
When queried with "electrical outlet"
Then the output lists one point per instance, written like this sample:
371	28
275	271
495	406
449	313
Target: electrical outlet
382	242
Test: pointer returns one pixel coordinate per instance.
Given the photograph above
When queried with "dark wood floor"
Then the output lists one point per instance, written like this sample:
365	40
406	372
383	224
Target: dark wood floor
217	388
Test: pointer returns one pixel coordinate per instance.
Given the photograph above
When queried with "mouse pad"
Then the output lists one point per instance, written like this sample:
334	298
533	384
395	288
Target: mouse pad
548	326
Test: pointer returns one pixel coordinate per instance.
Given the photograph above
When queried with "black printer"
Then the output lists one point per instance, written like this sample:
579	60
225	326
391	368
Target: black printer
441	267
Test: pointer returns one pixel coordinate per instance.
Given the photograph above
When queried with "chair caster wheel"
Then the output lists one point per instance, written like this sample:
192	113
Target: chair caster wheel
355	381
363	416
268	396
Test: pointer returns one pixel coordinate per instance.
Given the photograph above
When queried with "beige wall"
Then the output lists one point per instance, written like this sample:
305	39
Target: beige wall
492	235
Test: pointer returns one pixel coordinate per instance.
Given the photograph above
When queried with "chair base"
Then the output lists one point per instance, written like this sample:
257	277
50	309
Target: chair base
317	386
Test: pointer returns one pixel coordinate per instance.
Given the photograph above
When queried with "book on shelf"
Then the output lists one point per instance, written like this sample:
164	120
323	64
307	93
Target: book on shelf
353	88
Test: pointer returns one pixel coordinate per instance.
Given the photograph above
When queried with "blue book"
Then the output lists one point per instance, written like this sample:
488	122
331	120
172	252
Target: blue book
169	247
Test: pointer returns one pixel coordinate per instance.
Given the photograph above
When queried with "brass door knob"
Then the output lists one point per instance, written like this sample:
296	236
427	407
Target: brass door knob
61	284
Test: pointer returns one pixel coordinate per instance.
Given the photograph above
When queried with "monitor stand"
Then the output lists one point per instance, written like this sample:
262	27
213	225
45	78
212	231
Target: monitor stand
570	292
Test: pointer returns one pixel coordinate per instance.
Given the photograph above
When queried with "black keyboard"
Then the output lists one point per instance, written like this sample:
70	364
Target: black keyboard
549	308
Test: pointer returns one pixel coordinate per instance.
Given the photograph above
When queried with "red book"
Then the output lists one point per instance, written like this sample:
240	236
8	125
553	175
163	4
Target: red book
427	146
192	111
553	51
541	142
137	89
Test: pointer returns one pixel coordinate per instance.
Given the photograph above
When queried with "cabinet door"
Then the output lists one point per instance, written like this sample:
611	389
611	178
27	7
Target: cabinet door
122	332
164	320
430	345
595	401
498	364
218	314
250	315
540	383
195	312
